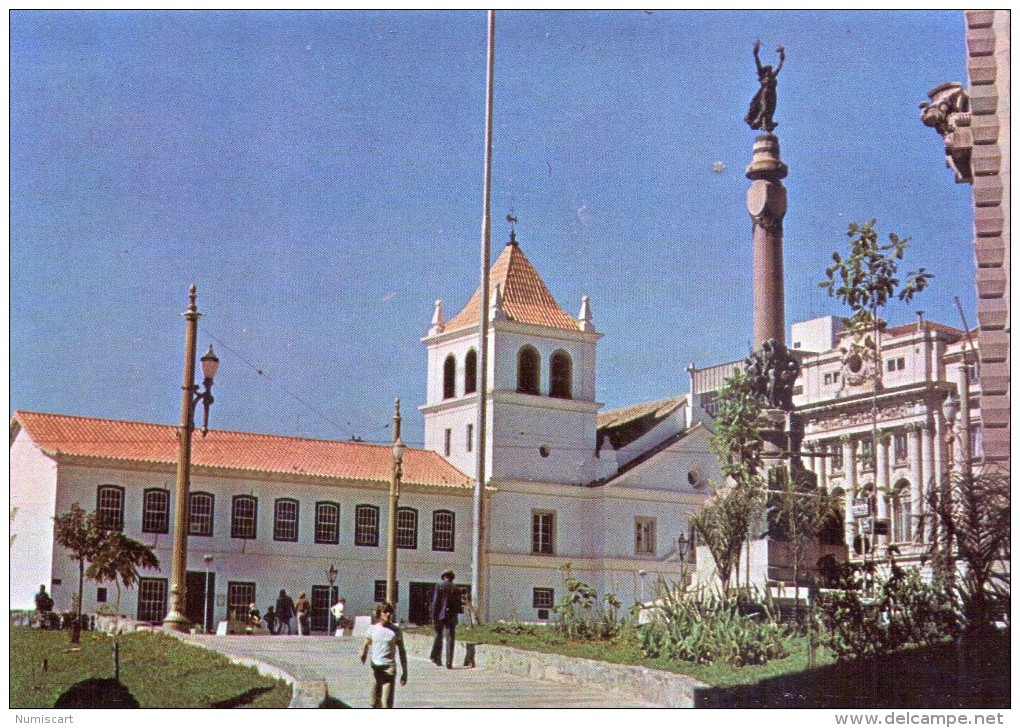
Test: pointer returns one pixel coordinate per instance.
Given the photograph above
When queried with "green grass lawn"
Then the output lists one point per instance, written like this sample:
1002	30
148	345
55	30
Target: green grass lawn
625	650
157	670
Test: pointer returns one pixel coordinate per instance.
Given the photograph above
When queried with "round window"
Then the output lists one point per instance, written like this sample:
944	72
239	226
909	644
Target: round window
855	363
543	450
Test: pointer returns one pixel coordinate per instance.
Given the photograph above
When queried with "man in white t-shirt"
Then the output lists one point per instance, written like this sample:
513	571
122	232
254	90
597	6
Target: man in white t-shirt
385	641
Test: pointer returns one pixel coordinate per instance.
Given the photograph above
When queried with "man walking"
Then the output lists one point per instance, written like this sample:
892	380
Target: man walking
284	612
446	606
385	638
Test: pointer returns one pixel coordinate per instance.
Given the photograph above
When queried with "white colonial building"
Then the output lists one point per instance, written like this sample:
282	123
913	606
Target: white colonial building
609	493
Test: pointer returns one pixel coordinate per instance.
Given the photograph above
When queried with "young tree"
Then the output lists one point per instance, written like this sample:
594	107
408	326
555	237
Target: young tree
118	559
723	523
78	532
866	280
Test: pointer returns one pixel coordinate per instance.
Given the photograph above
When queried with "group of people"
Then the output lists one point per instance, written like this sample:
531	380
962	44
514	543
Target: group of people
43	608
385	642
286	612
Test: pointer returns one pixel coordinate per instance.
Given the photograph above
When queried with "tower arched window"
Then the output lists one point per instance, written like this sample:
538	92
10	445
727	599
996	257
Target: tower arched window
471	372
560	375
901	512
529	365
450	377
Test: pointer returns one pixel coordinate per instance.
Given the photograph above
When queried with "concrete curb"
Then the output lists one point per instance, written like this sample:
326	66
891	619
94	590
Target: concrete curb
305	693
667	689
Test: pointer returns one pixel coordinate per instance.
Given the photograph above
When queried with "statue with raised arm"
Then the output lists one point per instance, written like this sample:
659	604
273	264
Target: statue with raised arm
763	105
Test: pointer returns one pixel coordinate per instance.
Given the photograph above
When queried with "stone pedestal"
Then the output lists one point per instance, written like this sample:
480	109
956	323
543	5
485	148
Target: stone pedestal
766	203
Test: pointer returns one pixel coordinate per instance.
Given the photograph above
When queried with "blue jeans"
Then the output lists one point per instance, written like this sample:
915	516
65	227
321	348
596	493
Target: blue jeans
450	628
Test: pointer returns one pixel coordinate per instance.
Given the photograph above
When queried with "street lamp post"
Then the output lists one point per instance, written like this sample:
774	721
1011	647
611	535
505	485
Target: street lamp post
190	397
391	536
681	549
331	573
205	597
642	573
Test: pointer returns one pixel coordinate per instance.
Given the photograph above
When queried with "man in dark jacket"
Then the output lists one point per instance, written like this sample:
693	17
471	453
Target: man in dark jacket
284	612
445	608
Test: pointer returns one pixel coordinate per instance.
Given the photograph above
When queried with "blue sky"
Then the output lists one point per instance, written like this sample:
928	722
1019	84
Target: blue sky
318	176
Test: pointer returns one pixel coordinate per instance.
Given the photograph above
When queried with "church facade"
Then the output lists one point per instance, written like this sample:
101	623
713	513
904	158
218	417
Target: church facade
608	493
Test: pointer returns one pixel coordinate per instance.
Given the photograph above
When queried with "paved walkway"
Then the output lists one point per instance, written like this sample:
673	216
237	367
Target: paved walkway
335	660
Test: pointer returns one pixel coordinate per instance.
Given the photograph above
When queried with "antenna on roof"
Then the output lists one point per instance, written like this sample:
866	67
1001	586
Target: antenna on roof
512	219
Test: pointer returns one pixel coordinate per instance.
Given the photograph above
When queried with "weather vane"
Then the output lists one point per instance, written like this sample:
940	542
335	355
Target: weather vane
512	219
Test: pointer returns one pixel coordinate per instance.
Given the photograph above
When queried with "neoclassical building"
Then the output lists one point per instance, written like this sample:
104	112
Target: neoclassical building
919	429
609	493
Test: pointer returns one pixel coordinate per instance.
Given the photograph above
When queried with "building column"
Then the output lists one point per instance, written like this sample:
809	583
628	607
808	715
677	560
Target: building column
812	462
850	486
932	473
882	487
824	466
917	475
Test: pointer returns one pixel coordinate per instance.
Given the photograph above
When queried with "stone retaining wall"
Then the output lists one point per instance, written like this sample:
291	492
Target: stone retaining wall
668	689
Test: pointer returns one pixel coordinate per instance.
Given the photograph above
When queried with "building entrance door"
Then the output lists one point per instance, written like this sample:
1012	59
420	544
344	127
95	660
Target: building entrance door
198	598
322	600
420	602
419	610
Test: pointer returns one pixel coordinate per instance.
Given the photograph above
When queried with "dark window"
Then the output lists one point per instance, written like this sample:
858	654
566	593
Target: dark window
542	533
542	598
244	517
240	596
407	528
709	401
867	455
380	591
201	521
471	372
156	511
469	441
366	525
837	456
528	368
442	530
644	535
560	375
110	507
447	440
151	599
449	377
101	595
327	523
285	520
900	447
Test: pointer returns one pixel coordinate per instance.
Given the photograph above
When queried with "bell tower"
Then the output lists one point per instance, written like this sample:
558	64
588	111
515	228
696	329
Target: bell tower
541	398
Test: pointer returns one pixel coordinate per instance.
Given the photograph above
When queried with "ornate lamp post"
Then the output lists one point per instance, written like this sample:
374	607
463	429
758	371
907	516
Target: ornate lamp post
208	559
190	397
331	573
642	573
391	536
681	550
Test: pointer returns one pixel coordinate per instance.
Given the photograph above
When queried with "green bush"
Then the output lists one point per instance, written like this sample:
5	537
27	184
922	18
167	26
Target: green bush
580	618
870	615
700	628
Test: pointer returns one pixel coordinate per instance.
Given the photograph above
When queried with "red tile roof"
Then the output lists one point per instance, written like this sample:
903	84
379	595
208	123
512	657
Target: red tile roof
143	442
525	296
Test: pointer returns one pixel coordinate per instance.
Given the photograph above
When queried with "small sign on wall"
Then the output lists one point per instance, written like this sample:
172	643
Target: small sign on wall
221	600
860	509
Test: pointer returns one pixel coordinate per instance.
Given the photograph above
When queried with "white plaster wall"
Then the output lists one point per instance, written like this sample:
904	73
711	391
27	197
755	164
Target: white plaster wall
522	424
33	489
510	338
273	565
510	511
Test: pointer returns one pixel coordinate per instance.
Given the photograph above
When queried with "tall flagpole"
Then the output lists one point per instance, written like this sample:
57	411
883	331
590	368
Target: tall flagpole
478	509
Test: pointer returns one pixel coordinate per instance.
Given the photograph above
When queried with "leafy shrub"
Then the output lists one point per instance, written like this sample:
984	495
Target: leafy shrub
902	611
580	618
700	628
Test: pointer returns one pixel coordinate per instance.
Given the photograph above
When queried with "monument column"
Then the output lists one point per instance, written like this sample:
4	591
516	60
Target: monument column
766	203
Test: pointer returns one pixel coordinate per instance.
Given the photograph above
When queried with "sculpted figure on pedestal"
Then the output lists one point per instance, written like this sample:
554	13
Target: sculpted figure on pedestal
763	105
